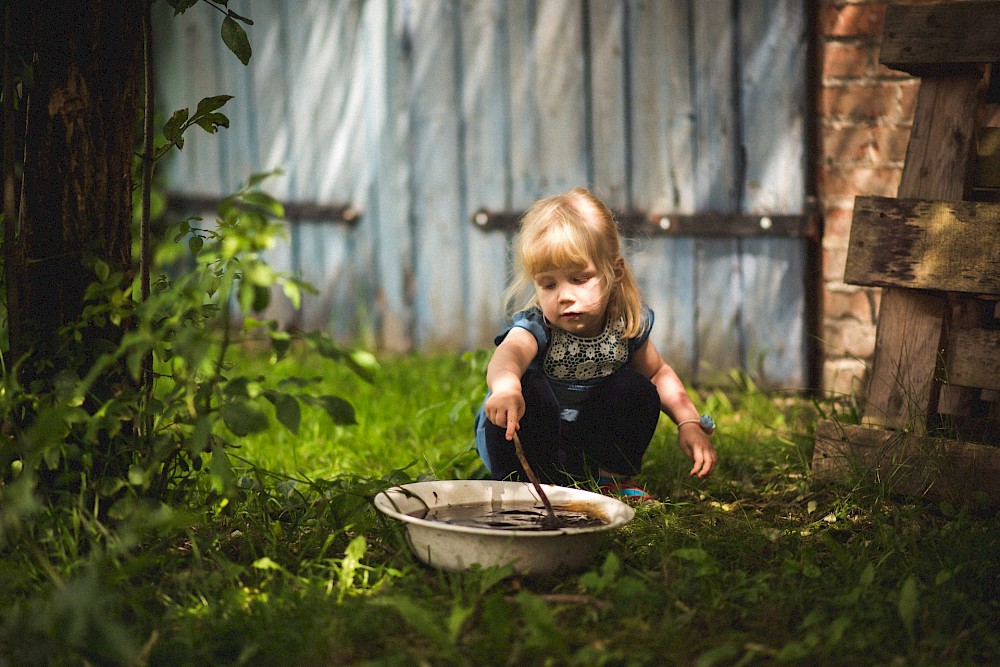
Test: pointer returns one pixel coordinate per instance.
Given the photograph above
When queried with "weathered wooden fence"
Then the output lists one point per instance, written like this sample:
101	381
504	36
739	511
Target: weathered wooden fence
396	121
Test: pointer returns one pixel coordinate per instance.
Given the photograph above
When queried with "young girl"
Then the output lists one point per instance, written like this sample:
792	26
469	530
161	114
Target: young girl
575	374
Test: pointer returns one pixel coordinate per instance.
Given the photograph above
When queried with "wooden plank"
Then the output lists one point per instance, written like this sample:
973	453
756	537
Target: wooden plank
773	48
661	112
903	391
323	259
388	169
772	109
943	37
486	122
237	143
717	156
355	160
951	246
328	106
608	102
939	154
267	92
546	106
438	238
524	178
973	358
194	35
907	463
270	88
559	96
911	325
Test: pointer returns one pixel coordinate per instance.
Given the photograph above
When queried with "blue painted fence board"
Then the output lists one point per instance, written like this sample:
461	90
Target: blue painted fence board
419	112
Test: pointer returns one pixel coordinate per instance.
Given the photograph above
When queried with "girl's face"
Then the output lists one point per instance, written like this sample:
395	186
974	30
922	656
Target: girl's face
574	300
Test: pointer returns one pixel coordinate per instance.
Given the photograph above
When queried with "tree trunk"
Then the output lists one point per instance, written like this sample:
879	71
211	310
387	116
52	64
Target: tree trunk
80	139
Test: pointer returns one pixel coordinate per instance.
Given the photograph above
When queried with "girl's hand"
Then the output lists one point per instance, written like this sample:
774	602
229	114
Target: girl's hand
505	409
697	446
505	404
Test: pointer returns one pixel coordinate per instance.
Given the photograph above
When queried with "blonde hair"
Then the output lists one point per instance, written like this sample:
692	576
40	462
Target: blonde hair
571	230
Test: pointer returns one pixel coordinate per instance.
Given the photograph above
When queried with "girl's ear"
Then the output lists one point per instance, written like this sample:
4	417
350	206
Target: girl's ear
619	269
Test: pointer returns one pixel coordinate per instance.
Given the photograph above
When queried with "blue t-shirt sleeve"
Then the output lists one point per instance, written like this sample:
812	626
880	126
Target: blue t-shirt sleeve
531	320
645	327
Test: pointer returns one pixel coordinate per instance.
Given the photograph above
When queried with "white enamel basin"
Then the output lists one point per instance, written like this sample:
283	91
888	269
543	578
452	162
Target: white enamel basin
452	547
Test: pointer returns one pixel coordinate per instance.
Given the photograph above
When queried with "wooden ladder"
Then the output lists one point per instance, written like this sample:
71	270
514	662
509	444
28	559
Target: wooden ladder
931	416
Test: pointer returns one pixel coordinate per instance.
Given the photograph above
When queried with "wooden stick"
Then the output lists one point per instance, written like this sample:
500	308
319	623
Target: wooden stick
550	520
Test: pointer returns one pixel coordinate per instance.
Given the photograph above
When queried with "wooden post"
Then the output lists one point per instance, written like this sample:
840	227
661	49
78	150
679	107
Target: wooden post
917	250
904	387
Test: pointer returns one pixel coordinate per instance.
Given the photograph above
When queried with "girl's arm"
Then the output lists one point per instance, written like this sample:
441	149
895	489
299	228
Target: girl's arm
677	405
505	404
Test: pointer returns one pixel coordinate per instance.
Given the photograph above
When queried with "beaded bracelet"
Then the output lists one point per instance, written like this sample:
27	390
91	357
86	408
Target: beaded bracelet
706	423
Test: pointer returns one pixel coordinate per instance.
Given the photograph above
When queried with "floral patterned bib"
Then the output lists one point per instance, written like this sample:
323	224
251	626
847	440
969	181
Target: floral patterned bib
571	358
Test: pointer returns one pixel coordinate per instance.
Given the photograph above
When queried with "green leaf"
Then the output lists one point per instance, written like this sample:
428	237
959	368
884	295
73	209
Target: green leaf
238	387
364	364
210	104
102	270
706	564
421	620
181	6
288	411
261	176
598	581
222	472
266	563
541	626
297	382
294	294
198	442
236	39
173	128
243	417
327	347
908	603
266	202
351	563
719	654
261	298
260	274
340	411
867	576
281	341
122	508
212	122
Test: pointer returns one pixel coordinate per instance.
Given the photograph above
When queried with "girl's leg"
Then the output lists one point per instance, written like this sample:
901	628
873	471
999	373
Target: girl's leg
616	423
539	434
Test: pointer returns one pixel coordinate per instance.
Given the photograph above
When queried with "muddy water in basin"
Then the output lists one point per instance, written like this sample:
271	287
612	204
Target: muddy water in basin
520	516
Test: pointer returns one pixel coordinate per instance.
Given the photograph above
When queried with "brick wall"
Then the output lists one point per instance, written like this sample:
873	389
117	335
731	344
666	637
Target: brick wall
865	112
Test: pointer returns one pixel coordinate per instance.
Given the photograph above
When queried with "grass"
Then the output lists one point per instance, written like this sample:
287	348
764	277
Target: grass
758	565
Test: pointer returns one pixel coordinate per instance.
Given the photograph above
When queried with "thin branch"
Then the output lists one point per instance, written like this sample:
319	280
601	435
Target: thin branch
148	161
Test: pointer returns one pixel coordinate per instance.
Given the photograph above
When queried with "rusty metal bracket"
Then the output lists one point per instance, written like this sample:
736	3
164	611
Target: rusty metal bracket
294	210
698	225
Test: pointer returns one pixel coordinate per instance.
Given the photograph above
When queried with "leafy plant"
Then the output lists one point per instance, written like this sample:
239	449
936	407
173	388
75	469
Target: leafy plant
233	34
90	478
